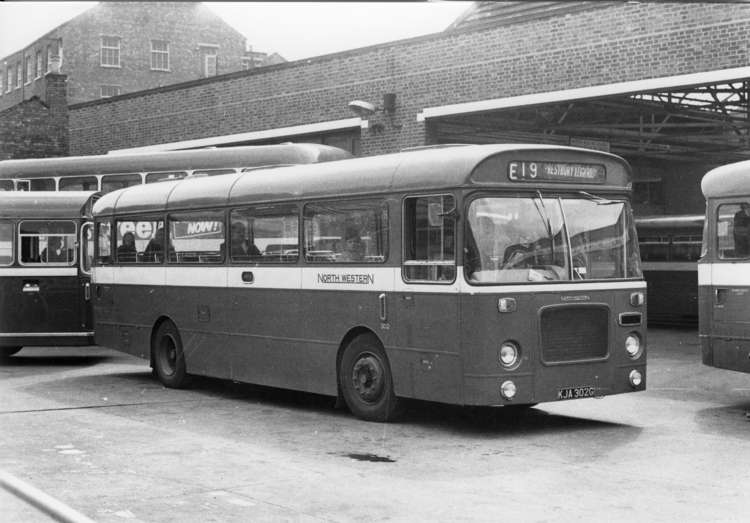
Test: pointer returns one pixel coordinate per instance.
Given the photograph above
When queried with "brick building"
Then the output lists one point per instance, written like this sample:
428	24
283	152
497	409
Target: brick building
120	47
662	84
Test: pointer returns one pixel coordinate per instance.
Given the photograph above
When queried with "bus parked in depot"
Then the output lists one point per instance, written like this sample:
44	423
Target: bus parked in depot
485	275
724	269
670	248
45	261
106	173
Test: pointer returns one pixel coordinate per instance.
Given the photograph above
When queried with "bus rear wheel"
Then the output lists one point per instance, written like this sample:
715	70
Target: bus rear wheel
168	357
7	352
366	380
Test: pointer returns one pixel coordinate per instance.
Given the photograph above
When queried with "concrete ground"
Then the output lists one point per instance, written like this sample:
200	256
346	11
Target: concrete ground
92	428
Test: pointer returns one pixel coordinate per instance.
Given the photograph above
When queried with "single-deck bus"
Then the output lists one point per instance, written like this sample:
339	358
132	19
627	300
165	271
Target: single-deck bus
484	275
107	173
670	247
45	269
724	269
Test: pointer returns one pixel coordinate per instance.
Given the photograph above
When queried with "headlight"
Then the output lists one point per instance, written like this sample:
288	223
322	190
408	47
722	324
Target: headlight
636	378
509	354
633	345
508	390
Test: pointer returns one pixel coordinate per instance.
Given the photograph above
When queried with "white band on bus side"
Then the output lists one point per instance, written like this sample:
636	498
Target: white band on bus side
363	278
40	272
728	274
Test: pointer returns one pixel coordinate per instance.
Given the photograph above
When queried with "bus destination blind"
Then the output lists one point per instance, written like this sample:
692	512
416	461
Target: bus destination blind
556	172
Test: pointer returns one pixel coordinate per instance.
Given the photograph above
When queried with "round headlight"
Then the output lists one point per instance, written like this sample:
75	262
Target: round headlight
508	354
635	378
633	345
508	390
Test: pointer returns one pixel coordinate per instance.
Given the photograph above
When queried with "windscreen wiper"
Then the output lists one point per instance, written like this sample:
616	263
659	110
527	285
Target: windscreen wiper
598	199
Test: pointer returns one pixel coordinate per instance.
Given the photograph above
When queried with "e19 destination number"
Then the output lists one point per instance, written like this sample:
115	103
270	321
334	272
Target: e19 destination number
556	172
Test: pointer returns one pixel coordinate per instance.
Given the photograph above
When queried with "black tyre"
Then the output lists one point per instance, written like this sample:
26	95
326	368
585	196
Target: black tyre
168	357
7	352
366	380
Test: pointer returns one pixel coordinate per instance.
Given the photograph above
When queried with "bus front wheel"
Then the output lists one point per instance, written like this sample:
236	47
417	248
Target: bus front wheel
169	358
366	380
7	352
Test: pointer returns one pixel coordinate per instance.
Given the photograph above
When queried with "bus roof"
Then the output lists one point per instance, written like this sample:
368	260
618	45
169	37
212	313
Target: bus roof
42	204
728	180
409	171
245	156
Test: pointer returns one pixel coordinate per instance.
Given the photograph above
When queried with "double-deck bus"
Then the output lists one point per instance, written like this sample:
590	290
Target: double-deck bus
670	248
724	269
45	263
106	173
485	275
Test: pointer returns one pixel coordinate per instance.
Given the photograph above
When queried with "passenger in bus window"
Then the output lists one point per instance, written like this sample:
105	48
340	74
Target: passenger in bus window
242	248
741	231
154	251
127	252
353	247
54	252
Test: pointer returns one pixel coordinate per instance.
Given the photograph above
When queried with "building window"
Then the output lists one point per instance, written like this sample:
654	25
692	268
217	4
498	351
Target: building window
107	91
49	57
29	70
9	79
210	57
19	75
159	55
38	64
110	51
2	82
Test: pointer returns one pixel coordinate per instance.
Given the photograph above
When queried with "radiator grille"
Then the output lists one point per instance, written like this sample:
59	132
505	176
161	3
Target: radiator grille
574	333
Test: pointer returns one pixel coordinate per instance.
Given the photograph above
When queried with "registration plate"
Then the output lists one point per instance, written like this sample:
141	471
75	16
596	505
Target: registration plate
572	393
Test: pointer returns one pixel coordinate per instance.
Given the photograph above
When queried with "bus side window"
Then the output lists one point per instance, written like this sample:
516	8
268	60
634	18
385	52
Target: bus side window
346	232
139	241
196	237
104	243
79	183
268	235
6	242
112	182
429	239
47	242
42	184
733	234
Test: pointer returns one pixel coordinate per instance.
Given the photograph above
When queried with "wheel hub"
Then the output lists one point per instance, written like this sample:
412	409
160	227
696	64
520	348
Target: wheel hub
367	378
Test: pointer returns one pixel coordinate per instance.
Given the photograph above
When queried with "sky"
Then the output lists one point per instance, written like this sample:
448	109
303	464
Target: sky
294	30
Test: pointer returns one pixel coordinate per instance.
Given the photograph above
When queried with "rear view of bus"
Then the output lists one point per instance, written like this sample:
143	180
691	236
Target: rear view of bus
724	269
44	285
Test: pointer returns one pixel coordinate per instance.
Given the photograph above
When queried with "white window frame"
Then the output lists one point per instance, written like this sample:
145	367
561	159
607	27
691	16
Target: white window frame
9	78
38	63
159	54
103	48
103	86
19	74
210	52
29	70
49	58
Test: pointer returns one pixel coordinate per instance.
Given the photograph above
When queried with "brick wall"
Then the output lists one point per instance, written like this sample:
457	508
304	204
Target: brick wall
37	127
619	43
183	25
